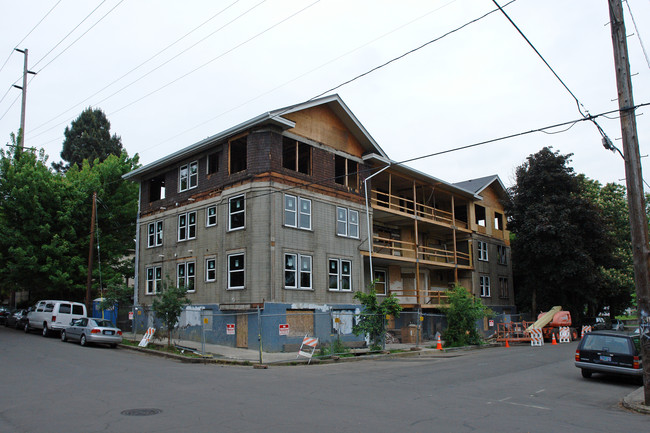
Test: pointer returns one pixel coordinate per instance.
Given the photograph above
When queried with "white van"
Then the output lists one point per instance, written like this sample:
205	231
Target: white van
53	316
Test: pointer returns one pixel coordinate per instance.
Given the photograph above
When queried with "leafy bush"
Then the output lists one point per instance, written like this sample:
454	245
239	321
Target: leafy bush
371	321
462	313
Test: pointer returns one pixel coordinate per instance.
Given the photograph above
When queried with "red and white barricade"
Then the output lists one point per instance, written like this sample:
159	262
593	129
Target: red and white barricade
585	329
308	347
565	334
147	337
536	337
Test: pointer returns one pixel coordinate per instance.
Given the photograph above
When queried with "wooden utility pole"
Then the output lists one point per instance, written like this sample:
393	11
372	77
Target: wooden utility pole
634	180
21	134
89	279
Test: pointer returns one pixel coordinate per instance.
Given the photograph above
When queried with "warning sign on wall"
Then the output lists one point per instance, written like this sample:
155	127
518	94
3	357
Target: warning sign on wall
230	329
284	329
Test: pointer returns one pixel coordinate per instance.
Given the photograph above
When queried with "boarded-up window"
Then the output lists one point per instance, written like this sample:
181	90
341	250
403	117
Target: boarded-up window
301	322
343	325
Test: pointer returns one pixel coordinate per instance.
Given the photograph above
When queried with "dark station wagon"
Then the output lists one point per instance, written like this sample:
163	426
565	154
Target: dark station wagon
609	352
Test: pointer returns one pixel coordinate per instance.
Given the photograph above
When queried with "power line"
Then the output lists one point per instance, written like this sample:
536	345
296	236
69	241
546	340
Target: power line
82	35
218	57
30	32
141	64
606	141
636	29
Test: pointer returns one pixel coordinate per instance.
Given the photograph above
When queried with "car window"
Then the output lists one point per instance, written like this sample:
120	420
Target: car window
49	308
103	322
607	343
64	308
77	309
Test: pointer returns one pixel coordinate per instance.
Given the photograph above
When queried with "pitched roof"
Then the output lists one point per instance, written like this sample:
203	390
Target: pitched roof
478	185
334	102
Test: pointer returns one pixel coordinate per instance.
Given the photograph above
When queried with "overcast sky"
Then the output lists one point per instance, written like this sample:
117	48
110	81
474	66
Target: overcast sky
252	56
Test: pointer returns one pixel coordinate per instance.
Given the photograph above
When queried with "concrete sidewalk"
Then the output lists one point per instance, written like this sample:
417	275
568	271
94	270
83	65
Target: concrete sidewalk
635	401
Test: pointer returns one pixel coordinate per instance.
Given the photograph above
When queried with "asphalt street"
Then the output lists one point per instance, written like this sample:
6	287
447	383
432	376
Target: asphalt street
50	386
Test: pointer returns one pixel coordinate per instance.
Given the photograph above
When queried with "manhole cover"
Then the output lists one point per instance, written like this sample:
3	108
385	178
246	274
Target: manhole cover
140	412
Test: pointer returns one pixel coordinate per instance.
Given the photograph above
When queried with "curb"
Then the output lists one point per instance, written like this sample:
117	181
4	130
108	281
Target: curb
450	352
634	402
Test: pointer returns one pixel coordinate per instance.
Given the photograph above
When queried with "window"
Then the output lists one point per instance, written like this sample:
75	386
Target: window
484	282
340	275
347	222
157	188
154	279
212	163
482	251
296	156
155	234
236	271
380	282
211	216
299	217
188	176
498	221
502	255
236	213
297	271
185	276
346	172
64	308
480	215
187	226
210	269
503	288
238	155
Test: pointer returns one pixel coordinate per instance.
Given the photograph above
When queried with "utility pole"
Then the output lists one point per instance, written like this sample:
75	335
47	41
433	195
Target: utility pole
634	180
21	141
89	279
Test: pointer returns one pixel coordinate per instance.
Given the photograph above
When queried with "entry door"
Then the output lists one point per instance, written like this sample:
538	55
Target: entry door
242	331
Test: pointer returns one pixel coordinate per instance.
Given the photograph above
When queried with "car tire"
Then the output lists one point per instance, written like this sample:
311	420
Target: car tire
585	373
113	346
46	331
63	337
82	340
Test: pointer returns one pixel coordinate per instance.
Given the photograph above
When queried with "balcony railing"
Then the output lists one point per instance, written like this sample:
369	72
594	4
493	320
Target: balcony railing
408	206
427	297
406	251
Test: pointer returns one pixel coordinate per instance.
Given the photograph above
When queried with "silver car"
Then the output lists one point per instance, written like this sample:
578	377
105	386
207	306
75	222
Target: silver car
88	330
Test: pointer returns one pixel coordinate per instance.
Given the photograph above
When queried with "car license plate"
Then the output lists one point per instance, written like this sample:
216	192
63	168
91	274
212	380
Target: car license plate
605	358
111	333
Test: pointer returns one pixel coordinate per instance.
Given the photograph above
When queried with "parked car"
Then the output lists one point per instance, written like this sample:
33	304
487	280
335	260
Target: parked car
53	316
89	330
17	320
609	352
4	313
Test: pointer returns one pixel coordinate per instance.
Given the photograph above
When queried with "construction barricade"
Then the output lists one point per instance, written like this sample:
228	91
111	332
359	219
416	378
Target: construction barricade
308	347
536	337
565	334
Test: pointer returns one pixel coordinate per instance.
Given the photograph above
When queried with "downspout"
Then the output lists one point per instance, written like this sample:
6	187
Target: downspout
365	188
137	248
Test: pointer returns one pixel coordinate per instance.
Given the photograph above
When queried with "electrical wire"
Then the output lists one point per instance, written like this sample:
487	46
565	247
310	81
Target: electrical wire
645	54
141	64
218	57
30	32
577	101
76	40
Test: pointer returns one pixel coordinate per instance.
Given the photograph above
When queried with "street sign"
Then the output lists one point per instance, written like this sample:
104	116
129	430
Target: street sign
230	329
130	315
491	323
284	329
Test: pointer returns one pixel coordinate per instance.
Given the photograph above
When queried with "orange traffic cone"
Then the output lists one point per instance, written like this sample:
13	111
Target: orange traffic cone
439	345
507	345
553	342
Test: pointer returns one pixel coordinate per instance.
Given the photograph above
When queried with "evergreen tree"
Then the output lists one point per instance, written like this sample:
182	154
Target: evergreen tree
88	138
560	242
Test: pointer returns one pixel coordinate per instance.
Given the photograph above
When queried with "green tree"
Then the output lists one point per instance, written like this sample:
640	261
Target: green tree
371	320
45	224
463	312
168	306
560	240
88	138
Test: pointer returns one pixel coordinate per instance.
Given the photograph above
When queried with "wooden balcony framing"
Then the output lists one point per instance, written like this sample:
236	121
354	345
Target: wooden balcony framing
411	209
404	251
423	298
